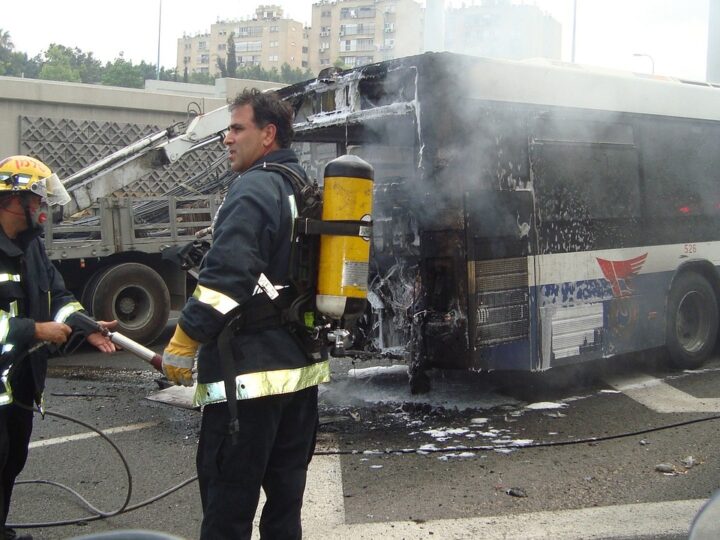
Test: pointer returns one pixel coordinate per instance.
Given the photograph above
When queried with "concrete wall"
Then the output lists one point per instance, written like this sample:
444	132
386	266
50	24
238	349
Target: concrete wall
80	102
224	87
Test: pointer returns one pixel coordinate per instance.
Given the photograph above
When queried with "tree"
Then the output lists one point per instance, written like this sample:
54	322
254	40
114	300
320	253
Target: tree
122	73
62	63
6	51
221	67
58	65
6	40
288	75
201	78
231	56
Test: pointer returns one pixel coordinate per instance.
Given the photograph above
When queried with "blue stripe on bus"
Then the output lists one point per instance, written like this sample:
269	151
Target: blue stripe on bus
631	323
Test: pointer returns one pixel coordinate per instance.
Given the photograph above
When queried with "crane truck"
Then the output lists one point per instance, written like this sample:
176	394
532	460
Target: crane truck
109	249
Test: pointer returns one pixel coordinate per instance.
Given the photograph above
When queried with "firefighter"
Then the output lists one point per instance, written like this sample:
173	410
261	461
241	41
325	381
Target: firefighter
35	311
268	437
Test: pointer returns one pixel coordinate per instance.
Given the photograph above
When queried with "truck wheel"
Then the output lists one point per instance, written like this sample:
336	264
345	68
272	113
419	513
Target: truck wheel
692	321
136	296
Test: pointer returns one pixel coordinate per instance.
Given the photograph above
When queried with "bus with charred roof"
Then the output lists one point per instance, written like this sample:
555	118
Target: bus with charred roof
527	215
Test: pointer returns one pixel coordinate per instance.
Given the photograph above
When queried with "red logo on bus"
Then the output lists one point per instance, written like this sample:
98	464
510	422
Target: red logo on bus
620	273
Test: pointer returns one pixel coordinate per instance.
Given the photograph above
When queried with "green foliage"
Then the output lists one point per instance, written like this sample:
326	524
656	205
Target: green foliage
221	66
201	78
231	56
286	74
121	72
61	63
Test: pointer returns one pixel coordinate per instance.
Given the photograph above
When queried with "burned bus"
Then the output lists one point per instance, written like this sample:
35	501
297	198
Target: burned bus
527	215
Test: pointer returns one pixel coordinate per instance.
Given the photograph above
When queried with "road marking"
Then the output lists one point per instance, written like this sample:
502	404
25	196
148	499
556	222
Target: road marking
324	518
91	434
660	396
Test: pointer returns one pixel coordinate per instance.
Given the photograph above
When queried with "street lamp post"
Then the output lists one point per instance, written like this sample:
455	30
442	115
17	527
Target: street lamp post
159	28
652	61
572	52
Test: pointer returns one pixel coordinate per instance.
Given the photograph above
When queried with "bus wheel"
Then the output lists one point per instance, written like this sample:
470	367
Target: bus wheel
692	321
136	296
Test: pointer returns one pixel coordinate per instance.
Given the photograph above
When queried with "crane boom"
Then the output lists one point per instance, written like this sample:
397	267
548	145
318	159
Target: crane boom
134	161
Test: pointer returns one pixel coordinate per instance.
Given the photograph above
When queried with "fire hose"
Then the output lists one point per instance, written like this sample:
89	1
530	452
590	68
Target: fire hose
88	324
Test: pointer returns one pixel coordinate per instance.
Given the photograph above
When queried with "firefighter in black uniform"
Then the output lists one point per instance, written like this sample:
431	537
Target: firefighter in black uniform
35	311
275	380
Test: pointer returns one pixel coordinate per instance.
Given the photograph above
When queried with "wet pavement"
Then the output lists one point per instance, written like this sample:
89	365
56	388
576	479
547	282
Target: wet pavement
476	457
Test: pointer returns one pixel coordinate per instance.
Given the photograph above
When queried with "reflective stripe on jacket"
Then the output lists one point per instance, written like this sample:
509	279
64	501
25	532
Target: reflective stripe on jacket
252	245
31	290
266	383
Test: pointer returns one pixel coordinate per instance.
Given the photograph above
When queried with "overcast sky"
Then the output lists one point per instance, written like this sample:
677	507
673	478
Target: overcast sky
609	32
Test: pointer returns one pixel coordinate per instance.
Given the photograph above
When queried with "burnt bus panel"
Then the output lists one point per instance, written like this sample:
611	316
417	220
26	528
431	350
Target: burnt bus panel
586	176
501	301
444	298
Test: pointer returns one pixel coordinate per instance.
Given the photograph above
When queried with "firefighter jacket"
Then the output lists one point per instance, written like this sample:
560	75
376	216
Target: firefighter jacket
31	290
252	242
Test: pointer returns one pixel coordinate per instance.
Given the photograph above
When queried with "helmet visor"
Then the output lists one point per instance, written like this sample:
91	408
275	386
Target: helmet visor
52	190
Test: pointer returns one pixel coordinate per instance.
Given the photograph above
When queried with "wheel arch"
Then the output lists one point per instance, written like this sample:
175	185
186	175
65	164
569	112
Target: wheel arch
702	267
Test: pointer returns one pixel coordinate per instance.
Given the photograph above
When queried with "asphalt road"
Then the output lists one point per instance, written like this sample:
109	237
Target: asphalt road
622	449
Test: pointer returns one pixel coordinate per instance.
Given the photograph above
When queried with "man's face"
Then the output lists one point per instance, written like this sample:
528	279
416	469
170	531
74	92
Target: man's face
16	212
246	142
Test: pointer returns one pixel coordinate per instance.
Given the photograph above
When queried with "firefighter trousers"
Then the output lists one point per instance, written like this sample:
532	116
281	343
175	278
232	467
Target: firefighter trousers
15	430
275	445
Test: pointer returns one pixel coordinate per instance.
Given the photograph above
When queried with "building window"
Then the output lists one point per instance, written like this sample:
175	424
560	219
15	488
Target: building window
204	59
365	45
273	44
326	13
250	31
202	46
361	12
222	47
273	58
244	46
274	28
324	61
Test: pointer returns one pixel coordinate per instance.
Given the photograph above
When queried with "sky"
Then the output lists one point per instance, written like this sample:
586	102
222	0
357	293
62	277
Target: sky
673	33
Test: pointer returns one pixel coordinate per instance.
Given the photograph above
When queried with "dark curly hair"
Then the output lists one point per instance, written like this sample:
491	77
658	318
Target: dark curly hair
268	108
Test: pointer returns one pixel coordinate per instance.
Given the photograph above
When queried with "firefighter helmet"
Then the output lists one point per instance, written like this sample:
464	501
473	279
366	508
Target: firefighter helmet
20	174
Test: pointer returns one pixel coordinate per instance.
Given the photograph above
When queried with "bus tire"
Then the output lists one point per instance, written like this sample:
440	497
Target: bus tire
692	321
136	296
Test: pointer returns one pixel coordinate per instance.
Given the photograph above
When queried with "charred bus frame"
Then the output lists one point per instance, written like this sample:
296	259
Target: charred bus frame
528	215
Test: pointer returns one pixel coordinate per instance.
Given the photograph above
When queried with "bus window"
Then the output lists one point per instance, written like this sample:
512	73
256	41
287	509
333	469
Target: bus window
681	187
586	182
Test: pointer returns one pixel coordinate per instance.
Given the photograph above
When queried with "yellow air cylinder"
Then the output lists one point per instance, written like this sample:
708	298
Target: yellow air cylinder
343	264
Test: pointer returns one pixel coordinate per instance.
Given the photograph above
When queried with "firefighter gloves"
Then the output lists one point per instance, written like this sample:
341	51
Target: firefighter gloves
178	358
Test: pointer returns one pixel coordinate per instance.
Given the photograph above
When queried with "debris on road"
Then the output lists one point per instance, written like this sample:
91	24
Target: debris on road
516	492
666	468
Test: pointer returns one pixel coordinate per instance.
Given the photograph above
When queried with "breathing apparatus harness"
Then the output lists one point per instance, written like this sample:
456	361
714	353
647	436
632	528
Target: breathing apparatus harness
292	306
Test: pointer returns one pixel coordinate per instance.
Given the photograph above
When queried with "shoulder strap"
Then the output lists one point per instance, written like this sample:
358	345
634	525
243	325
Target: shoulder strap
306	193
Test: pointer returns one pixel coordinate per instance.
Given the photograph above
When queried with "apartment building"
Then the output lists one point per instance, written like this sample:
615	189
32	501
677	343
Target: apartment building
502	29
266	39
359	32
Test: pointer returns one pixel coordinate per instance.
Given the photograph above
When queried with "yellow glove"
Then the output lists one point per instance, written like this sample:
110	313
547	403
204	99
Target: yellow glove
178	358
